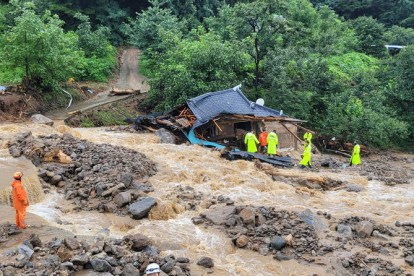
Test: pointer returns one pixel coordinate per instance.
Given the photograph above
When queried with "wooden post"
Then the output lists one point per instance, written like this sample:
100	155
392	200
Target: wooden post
292	133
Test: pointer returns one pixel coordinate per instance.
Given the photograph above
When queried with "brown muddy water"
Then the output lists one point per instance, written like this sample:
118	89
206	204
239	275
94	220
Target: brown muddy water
170	226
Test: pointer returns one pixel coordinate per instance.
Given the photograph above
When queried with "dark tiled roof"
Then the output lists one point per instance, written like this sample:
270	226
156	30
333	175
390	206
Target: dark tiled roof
231	101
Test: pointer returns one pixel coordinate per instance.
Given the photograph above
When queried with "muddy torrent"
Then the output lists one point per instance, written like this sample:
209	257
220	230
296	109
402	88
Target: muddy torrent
192	181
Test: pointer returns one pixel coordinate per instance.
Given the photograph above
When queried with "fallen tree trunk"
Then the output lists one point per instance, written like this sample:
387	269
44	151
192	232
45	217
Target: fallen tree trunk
339	152
118	92
317	179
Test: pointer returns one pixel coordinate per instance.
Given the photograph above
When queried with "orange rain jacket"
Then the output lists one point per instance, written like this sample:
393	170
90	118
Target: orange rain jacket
19	194
263	138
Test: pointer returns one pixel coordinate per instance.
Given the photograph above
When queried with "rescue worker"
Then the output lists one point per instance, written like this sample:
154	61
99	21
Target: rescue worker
263	141
306	160
251	142
272	141
153	270
308	137
20	201
355	160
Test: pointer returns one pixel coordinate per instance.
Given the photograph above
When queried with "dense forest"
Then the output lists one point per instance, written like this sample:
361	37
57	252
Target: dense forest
320	61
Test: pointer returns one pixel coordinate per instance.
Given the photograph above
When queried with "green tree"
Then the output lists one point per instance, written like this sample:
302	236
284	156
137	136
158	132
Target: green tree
400	36
196	66
370	35
143	31
40	46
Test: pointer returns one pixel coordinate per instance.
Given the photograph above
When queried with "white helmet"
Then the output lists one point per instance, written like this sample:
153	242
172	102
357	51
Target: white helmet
152	268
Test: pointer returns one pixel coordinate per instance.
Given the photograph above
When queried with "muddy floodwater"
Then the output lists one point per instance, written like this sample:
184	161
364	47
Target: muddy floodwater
170	226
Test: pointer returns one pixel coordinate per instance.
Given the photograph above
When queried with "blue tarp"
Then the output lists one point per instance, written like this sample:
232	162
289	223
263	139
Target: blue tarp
194	140
232	101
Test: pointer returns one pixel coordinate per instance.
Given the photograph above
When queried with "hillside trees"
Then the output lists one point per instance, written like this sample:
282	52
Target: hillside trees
38	45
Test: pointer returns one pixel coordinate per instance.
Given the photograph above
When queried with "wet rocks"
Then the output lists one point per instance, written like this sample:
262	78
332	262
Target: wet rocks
127	179
128	256
409	260
166	137
317	223
101	265
242	241
219	216
113	189
345	231
277	243
141	208
122	199
282	257
247	215
364	229
206	262
40	119
377	234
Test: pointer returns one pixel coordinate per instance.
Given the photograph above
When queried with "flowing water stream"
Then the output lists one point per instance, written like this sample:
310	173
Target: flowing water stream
206	172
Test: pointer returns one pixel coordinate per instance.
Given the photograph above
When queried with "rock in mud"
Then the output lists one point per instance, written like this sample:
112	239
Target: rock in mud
127	179
364	229
71	243
282	257
277	243
166	137
242	241
380	236
206	262
122	199
130	270
141	208
24	254
137	242
317	223
345	231
410	260
247	215
40	119
101	265
219	216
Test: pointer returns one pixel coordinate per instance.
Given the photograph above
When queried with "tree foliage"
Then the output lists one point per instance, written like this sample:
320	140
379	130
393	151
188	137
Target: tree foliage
39	45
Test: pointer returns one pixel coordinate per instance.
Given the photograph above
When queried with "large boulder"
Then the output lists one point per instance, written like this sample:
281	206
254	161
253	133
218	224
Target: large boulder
166	137
317	223
247	215
40	119
130	270
122	199
141	208
219	216
24	253
345	231
206	262
364	229
101	265
137	242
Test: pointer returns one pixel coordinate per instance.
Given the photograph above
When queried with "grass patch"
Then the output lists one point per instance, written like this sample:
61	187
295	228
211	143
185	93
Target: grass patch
111	116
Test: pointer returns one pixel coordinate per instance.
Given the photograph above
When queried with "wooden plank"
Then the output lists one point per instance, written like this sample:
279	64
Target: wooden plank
149	128
305	129
292	133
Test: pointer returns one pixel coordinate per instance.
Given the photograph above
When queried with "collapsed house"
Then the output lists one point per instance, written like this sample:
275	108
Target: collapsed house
222	119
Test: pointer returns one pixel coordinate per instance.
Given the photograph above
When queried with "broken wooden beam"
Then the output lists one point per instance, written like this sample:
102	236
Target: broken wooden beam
119	92
305	129
292	133
339	152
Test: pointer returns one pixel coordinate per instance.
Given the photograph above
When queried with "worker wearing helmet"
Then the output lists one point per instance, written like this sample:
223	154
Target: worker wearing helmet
355	159
251	142
20	201
153	270
306	161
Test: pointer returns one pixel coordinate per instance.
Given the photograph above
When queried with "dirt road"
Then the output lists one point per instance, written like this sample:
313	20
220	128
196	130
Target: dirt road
129	78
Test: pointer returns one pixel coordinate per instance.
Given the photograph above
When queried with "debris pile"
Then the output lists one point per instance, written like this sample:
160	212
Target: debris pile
93	176
127	256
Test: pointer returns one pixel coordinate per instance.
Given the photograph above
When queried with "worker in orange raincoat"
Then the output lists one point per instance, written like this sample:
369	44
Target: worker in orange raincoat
263	141
20	201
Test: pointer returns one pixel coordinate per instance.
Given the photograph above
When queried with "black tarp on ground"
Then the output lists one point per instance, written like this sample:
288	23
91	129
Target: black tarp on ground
231	101
279	161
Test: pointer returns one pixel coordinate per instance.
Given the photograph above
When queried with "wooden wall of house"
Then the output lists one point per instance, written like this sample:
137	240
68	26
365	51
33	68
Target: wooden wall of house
286	139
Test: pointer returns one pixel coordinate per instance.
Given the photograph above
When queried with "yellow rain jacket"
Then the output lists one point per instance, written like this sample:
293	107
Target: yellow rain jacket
271	143
308	136
306	156
251	142
355	155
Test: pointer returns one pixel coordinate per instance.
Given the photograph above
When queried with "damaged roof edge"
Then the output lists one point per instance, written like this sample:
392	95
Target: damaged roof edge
231	101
